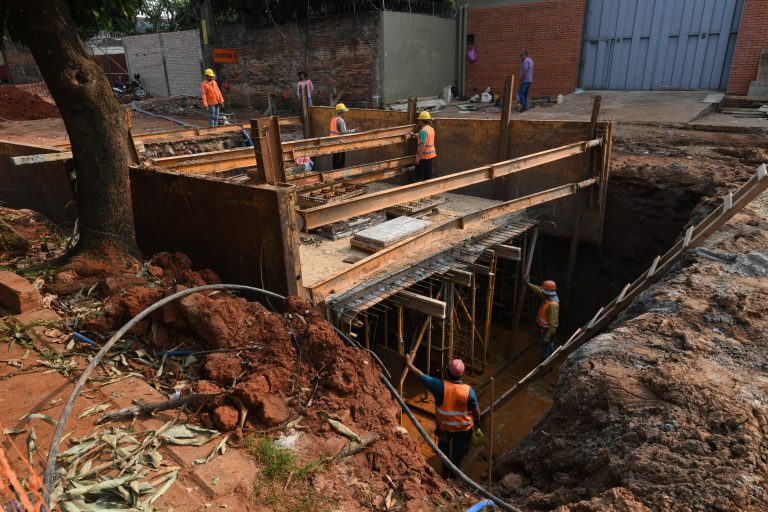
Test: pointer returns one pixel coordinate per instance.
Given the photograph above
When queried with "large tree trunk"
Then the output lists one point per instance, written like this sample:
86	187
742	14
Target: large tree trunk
96	122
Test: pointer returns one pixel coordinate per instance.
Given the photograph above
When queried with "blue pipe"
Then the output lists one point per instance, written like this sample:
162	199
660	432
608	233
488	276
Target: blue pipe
477	507
248	141
79	337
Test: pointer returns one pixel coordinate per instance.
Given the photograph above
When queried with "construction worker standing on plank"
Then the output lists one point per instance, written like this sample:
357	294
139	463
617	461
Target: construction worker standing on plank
212	98
547	317
426	153
339	127
456	410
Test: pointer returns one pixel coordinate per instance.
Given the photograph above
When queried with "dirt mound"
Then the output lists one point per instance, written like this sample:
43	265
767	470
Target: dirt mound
302	369
16	104
669	406
277	367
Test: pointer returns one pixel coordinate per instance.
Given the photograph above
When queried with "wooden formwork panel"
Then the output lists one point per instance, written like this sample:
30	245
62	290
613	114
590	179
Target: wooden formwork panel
43	187
246	234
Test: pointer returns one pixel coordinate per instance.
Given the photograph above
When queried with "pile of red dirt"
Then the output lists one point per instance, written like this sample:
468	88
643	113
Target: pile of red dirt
667	410
291	367
16	105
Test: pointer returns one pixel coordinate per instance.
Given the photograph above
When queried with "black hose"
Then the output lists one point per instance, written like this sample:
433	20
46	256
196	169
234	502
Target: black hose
464	478
354	343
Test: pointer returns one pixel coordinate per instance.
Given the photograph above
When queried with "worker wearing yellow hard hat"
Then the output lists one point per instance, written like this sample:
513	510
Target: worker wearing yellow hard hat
212	98
338	126
426	153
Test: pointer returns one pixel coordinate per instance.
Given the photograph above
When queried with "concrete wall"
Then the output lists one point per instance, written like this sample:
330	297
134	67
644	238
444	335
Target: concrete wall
20	64
550	30
170	63
752	38
341	52
419	54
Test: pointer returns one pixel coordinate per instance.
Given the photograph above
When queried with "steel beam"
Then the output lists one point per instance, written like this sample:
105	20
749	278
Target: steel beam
364	140
308	181
213	161
334	212
58	156
345	279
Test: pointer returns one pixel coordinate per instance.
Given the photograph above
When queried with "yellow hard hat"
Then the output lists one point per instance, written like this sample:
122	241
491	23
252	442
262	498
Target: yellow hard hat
424	116
478	438
209	72
340	107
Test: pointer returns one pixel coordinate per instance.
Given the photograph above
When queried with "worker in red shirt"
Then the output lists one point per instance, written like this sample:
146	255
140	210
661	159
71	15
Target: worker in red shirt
212	98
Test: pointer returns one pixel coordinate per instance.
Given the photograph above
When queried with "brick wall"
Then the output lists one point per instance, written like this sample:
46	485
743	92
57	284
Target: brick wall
753	37
343	52
550	30
176	55
21	65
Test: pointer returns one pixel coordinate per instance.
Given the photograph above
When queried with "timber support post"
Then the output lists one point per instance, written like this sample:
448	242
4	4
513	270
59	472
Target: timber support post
506	113
579	209
305	111
269	152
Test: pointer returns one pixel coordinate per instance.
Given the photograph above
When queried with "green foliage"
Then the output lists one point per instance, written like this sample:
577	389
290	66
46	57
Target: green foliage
170	15
278	462
90	16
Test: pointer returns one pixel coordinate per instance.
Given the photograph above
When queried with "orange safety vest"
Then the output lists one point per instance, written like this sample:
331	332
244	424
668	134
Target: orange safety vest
334	130
211	93
429	148
543	318
452	415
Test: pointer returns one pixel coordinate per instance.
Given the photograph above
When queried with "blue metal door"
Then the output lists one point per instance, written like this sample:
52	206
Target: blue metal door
659	44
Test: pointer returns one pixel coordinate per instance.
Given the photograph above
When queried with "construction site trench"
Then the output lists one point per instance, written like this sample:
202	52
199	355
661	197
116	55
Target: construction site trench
660	412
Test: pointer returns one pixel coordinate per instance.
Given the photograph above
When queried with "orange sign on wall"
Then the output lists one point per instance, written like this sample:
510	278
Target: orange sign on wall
225	55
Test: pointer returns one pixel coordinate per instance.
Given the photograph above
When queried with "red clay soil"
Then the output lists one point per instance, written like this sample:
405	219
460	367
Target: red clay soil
16	104
667	410
293	365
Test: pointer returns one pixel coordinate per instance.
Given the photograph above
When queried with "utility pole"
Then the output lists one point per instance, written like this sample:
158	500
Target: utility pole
207	32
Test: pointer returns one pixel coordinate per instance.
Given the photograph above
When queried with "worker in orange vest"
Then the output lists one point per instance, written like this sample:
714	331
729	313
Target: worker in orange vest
339	127
456	410
426	153
212	98
547	317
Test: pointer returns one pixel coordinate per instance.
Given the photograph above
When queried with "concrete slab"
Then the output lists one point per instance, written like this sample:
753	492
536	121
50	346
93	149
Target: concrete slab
658	107
719	122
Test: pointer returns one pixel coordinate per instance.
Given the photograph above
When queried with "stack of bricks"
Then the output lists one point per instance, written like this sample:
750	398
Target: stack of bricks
551	32
752	38
341	52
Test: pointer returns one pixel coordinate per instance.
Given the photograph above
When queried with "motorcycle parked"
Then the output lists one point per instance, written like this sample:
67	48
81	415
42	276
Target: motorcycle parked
131	89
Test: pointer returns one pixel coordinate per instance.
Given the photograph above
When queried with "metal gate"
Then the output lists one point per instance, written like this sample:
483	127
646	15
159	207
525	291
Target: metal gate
659	44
